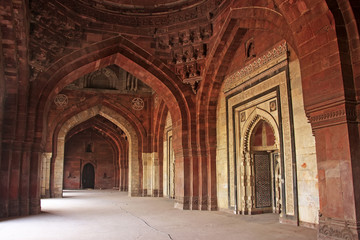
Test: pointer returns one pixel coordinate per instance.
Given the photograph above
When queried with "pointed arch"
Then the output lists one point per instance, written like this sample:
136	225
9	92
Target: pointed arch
254	118
237	22
135	60
121	52
55	126
116	118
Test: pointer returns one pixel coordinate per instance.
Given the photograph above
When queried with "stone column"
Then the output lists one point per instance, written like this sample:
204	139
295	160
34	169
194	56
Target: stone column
249	182
58	175
336	133
45	174
243	184
121	177
147	166
134	185
126	178
155	180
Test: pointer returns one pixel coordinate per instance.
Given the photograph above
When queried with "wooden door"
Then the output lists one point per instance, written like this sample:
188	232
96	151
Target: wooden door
88	176
262	180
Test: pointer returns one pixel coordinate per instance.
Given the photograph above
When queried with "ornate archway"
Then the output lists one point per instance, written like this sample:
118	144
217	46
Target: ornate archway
260	165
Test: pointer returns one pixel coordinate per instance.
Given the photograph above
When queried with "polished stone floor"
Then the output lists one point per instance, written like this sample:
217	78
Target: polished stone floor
107	215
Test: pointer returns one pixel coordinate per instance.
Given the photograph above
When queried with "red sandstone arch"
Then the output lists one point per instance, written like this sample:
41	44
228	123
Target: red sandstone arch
117	51
55	126
116	118
237	22
2	93
133	59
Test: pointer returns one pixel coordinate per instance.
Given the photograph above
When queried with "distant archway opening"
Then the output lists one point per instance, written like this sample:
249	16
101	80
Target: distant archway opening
88	176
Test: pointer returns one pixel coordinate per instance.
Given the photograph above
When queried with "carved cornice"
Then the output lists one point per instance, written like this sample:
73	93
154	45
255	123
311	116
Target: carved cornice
136	17
333	115
150	7
327	116
266	61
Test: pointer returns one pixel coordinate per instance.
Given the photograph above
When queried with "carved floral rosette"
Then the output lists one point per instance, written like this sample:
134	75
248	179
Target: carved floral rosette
61	100
137	104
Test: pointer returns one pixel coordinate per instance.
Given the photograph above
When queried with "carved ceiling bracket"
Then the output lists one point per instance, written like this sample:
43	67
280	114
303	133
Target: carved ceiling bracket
185	51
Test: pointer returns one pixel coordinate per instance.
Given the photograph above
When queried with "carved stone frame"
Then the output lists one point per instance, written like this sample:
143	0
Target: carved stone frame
246	181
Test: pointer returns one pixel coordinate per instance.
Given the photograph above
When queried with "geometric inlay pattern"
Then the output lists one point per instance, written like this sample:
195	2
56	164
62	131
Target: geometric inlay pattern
61	100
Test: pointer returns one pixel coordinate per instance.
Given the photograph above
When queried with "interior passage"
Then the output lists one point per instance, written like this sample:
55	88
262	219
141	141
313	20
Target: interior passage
115	115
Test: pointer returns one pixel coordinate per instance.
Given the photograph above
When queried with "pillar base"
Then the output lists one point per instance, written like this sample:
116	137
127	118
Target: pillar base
135	193
14	208
35	207
4	209
337	229
192	203
182	203
155	193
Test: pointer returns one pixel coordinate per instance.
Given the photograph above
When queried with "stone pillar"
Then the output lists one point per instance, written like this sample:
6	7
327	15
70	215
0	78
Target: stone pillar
135	157
336	133
121	176
147	167
45	174
249	182
35	176
155	172
149	174
58	175
243	184
126	178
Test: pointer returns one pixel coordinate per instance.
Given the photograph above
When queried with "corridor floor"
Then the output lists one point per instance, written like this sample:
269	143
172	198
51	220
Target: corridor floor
107	215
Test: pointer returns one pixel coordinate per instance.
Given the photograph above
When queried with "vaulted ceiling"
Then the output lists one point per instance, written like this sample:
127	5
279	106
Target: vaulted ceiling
138	6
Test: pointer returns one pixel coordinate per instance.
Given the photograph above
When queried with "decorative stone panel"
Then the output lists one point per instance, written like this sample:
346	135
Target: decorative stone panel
271	58
51	35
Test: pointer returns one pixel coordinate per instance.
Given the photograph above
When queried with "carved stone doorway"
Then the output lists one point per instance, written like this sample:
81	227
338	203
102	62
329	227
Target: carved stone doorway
260	186
266	168
88	176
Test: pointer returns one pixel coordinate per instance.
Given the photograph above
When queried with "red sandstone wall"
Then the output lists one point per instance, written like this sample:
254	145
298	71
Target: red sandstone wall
76	157
259	48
